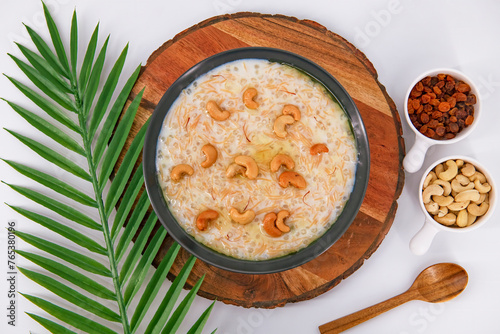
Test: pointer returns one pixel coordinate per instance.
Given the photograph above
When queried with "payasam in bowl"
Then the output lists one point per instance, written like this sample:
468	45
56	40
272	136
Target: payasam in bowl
256	160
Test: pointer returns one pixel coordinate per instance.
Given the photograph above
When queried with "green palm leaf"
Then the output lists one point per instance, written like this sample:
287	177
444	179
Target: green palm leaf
42	66
70	275
71	318
71	295
48	129
53	327
53	183
63	230
66	254
74	99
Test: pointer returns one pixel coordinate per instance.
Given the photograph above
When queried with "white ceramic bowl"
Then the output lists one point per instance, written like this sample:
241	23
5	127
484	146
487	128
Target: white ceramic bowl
423	239
415	157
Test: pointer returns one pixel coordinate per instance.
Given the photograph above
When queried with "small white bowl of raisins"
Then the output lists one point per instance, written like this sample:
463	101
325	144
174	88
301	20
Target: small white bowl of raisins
442	106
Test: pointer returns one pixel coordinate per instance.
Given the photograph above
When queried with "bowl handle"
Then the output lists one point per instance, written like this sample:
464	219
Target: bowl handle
415	157
421	242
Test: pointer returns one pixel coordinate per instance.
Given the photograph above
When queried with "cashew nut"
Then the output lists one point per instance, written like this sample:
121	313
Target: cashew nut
459	162
482	198
443	200
431	190
456	186
462	179
216	112
432	208
445	184
476	210
448	220
269	225
248	98
280	221
280	125
439	169
482	187
429	178
468	170
292	178
281	159
467	195
478	176
252	170
462	218
470	219
450	172
242	218
233	170
457	206
443	210
180	170
293	110
210	154
204	218
318	148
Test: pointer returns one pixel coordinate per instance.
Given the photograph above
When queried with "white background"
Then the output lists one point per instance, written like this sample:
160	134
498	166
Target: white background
402	38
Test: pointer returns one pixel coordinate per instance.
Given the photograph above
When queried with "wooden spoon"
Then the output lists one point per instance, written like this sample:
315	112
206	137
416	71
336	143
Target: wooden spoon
435	284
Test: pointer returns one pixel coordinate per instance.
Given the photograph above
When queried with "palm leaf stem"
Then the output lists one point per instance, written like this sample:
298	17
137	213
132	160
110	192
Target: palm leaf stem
113	265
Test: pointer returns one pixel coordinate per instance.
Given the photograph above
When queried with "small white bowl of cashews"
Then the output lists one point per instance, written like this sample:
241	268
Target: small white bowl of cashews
443	104
456	194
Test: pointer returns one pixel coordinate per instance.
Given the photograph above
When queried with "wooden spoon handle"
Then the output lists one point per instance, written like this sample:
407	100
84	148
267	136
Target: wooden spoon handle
358	317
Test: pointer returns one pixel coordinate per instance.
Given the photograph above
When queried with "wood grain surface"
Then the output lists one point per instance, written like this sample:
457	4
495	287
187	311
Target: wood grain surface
358	76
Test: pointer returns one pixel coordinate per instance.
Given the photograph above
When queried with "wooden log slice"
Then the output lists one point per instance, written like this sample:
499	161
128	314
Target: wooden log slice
358	76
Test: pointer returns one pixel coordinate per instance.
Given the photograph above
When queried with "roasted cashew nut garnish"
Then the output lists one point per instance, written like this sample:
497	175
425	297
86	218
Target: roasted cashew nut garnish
460	191
292	178
180	170
318	148
248	98
281	160
252	170
216	112
293	110
210	155
204	217
269	225
280	221
280	125
234	169
242	218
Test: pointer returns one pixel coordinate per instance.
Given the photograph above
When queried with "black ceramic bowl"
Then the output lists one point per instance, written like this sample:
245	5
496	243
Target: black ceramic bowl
288	261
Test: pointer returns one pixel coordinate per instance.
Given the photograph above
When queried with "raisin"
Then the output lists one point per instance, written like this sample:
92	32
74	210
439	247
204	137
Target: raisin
469	120
426	98
461	97
419	86
462	87
424	118
437	114
471	99
452	101
440	131
461	114
449	135
416	104
444	106
454	127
